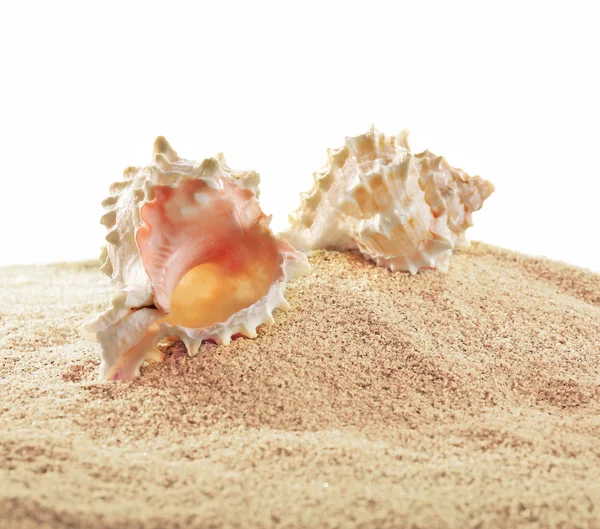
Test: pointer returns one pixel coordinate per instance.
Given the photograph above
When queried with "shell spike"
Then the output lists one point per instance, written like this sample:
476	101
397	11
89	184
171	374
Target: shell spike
162	149
249	331
130	172
192	345
401	139
109	219
363	145
225	338
250	180
284	305
110	201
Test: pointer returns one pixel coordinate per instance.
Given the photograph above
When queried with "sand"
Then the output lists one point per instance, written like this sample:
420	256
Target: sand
462	400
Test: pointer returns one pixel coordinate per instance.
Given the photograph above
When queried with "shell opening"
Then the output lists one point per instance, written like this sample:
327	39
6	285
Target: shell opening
238	277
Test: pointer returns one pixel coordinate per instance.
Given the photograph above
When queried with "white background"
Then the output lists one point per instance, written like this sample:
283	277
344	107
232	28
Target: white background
506	91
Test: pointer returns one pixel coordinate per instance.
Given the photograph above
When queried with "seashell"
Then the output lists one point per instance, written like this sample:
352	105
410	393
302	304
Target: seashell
401	210
192	257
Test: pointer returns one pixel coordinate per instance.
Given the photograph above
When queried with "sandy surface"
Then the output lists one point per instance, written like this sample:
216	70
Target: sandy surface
468	399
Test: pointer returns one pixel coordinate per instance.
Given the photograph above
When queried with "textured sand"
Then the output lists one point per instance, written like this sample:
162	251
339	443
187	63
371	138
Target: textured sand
468	400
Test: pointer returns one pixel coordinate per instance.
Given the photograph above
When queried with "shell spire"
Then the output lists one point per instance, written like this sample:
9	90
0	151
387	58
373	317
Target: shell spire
403	211
191	255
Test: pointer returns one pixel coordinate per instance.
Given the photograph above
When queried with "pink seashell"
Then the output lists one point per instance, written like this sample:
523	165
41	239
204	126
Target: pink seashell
192	256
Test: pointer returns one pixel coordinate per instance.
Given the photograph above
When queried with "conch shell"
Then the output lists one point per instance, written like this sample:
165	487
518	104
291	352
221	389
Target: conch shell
401	210
192	256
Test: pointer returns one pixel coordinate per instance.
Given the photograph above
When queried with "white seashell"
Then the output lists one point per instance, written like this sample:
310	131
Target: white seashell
192	256
401	210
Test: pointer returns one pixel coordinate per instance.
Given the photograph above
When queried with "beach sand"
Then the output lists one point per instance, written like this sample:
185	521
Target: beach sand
467	399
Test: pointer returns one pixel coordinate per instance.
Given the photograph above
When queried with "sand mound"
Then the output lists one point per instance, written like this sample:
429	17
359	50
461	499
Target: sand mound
466	399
